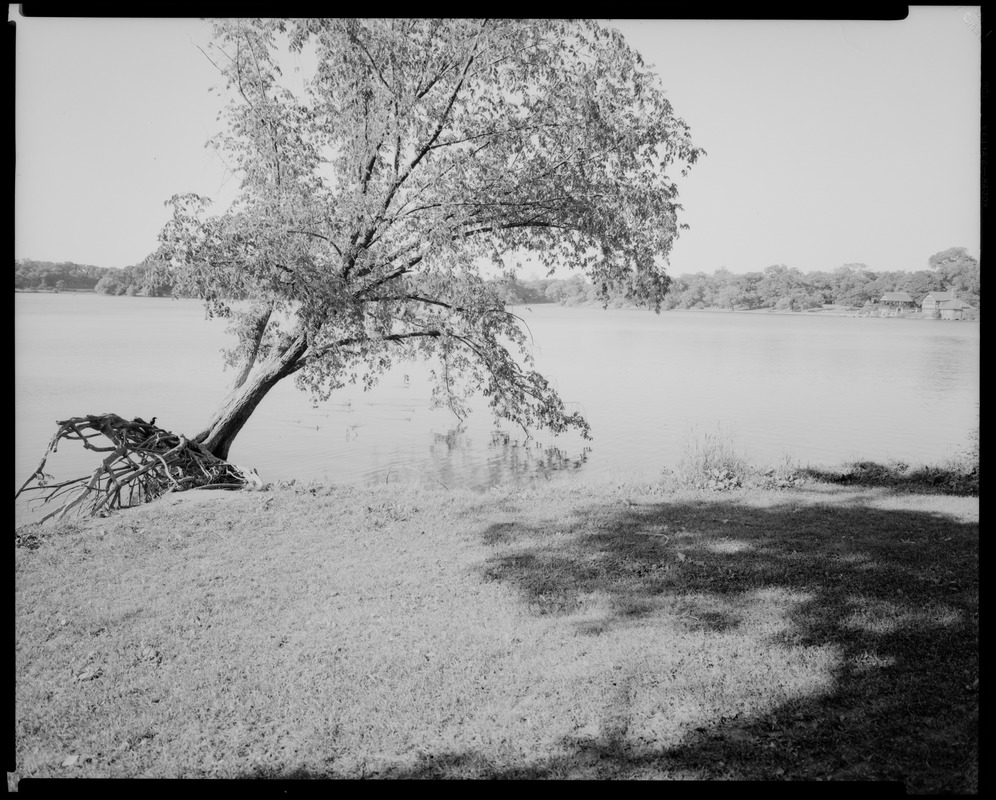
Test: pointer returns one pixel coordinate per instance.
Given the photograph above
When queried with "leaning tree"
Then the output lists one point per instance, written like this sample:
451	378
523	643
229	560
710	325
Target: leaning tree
379	191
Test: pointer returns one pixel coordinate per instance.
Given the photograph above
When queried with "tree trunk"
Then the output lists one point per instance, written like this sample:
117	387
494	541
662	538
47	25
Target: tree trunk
235	411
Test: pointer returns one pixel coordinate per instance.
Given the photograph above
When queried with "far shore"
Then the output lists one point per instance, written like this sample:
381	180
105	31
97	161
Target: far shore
826	311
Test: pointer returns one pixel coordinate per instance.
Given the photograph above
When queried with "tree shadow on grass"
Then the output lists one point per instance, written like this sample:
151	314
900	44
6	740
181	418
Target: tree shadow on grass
892	593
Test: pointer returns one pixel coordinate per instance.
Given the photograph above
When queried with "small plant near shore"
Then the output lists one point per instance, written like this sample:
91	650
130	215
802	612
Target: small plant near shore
711	461
786	475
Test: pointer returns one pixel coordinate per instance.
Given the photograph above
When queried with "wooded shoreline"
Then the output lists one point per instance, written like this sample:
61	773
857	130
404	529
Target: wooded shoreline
830	311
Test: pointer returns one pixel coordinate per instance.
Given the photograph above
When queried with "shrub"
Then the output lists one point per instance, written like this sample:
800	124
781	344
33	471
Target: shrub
711	461
957	476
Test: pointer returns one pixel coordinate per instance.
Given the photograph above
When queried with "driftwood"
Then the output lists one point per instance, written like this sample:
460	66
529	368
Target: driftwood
143	462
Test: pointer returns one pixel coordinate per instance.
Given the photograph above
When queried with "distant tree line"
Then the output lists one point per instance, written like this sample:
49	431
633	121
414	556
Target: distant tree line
138	279
42	275
777	287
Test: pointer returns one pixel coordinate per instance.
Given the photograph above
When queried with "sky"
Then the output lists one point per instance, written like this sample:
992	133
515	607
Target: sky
828	142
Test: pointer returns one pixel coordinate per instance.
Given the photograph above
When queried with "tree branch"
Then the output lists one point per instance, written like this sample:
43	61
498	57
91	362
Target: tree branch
317	236
398	272
373	65
364	340
440	127
256	337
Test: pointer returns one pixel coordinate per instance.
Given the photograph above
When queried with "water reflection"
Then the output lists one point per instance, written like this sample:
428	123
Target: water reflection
456	460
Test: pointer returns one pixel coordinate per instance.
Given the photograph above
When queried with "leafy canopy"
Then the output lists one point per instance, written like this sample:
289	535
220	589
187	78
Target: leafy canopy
419	154
957	269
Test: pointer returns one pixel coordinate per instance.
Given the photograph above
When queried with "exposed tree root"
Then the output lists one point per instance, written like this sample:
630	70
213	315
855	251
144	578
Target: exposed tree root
143	463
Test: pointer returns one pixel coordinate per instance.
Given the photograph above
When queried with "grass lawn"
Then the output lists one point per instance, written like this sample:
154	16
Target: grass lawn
820	631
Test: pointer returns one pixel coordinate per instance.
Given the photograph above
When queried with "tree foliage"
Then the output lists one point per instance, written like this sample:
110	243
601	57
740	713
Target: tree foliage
143	279
957	270
377	201
31	274
139	279
781	287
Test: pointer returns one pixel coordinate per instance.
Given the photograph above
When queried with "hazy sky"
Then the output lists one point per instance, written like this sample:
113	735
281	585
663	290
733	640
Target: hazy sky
828	142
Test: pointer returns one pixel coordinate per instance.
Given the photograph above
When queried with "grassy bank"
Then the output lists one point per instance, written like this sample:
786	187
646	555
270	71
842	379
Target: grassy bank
808	631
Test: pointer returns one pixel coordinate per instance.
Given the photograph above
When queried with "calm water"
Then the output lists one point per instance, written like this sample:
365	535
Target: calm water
815	390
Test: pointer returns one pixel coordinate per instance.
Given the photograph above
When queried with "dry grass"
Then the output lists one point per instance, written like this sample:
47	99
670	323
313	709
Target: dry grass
824	632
